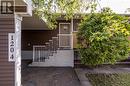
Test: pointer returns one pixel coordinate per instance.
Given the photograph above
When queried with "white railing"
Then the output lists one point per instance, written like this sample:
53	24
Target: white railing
42	52
39	53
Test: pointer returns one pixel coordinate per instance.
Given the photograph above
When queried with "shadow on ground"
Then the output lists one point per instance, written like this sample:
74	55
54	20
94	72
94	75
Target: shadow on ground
34	76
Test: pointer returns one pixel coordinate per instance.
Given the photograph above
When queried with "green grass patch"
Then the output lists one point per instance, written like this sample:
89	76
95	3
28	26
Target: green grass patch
116	79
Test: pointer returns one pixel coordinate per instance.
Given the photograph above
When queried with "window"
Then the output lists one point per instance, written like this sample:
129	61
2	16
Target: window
76	25
65	28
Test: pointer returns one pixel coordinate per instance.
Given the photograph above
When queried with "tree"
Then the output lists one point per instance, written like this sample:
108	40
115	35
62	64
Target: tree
103	38
51	10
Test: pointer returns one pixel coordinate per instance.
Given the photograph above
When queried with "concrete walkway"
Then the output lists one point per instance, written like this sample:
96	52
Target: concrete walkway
81	75
49	77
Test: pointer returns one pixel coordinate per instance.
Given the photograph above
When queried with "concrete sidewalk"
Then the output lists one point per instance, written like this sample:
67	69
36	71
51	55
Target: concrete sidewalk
49	77
81	75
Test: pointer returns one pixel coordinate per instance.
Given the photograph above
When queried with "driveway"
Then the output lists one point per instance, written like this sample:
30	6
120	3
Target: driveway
34	76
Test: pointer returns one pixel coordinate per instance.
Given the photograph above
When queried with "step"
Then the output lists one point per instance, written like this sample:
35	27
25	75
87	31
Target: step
54	37
39	64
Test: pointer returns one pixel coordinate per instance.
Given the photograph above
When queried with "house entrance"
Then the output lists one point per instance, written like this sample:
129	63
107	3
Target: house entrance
65	35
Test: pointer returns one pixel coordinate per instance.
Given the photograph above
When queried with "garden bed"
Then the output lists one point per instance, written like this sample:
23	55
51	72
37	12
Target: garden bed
109	79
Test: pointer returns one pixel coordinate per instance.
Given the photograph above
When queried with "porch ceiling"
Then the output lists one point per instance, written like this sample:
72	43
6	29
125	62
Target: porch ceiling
33	23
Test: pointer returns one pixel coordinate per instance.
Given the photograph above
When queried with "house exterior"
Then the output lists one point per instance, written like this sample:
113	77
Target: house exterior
48	47
11	14
26	38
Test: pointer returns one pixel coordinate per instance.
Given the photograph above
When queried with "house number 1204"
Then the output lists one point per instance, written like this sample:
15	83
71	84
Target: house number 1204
11	48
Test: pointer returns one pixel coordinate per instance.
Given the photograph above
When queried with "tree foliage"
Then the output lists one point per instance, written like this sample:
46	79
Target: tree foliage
103	38
50	10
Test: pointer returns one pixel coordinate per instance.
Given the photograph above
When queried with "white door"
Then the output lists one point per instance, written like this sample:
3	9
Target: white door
18	50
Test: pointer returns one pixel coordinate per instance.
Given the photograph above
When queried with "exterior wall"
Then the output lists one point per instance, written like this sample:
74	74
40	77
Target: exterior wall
63	58
10	72
74	40
6	68
36	37
75	30
76	24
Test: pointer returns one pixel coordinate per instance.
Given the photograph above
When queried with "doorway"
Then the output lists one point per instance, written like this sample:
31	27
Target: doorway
65	35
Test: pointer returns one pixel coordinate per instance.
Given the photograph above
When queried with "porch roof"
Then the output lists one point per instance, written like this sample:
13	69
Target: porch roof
33	23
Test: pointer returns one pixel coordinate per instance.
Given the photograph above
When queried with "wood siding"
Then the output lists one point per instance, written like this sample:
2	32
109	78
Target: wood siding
75	30
6	68
74	39
36	37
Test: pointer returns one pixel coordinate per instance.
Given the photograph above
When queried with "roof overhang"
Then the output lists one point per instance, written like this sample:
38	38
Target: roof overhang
23	7
33	23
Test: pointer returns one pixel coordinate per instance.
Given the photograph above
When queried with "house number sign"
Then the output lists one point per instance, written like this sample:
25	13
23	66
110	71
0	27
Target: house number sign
11	47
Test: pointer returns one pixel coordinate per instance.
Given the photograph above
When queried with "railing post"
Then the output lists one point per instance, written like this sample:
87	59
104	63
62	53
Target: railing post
33	54
39	55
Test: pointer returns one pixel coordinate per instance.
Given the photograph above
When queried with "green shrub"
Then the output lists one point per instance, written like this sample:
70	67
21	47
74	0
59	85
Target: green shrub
103	38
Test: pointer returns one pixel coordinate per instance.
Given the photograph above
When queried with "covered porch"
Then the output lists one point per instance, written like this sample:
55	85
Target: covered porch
45	47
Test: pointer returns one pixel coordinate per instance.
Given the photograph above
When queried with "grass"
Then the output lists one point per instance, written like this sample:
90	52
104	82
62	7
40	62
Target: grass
115	79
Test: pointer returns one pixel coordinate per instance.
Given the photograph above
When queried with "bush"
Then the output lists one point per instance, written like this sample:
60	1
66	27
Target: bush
103	38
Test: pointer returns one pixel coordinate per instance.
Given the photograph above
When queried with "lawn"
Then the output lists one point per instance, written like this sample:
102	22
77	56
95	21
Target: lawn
115	79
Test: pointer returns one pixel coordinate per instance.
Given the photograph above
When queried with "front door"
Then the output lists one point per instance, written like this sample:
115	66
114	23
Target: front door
65	35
